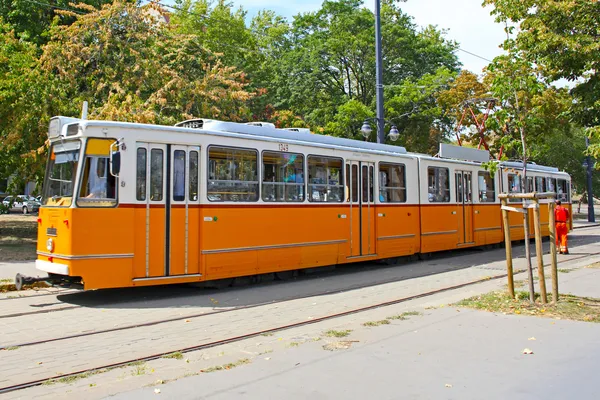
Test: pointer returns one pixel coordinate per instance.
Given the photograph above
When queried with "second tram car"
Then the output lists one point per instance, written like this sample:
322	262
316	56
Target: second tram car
129	204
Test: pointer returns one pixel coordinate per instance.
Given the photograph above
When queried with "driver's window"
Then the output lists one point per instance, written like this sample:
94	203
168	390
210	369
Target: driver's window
98	187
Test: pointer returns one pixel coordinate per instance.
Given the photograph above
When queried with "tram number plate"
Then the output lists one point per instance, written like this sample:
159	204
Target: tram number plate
283	147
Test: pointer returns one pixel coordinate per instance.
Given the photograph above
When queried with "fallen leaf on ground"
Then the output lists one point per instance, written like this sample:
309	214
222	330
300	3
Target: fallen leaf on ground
267	358
448	385
531	338
187	320
527	351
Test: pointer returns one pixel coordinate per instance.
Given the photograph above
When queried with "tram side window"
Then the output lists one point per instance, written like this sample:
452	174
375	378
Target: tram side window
325	179
283	177
487	191
514	186
530	185
156	174
232	174
563	193
438	184
392	183
140	176
98	186
551	184
540	184
179	175
193	176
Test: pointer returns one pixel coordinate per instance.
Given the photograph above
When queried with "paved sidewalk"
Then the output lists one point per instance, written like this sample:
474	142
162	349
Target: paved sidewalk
41	361
449	353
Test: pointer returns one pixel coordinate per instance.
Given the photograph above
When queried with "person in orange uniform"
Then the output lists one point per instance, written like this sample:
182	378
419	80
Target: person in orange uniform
561	217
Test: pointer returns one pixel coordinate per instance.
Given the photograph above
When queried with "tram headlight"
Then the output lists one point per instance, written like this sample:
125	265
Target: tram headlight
50	245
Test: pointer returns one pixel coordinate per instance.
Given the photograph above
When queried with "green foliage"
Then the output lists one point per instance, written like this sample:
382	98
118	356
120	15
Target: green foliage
22	88
561	38
32	21
122	60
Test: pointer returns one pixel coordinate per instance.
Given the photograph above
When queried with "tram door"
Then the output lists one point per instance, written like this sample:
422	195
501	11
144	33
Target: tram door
360	178
464	198
183	213
167	188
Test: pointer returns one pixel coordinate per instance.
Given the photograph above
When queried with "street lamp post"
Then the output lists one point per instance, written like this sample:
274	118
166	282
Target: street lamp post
591	216
379	74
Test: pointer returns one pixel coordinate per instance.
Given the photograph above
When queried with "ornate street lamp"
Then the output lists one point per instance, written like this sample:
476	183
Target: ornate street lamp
366	130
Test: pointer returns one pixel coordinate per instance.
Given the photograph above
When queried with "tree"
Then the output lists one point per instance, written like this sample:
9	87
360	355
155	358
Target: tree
32	21
135	68
22	88
466	93
561	38
331	57
127	64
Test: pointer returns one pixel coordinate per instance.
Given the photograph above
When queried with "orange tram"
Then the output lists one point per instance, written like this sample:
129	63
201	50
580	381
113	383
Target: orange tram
129	204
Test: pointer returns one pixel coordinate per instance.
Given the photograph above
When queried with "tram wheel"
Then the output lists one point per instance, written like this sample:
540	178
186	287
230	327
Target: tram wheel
424	256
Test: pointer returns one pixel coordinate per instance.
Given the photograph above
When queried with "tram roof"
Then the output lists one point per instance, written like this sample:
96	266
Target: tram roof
264	131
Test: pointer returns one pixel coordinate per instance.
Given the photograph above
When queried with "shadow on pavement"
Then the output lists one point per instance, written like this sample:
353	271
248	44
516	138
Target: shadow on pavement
342	278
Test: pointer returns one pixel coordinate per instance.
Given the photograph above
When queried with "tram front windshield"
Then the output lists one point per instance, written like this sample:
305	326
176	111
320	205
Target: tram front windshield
60	173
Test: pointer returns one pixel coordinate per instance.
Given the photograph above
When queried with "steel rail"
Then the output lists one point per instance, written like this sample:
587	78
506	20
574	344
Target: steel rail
238	338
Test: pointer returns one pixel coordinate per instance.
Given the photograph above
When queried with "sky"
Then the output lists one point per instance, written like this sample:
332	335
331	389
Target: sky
467	22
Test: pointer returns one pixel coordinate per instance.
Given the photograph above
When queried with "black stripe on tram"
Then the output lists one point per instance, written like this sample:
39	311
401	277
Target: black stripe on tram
168	215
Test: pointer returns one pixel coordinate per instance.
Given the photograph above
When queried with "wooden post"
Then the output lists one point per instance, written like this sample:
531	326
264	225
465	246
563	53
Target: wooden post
552	226
508	247
539	250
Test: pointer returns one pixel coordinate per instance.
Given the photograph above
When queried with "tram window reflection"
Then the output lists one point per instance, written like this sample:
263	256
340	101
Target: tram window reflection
392	183
156	174
514	186
232	174
283	177
193	176
179	175
140	181
438	185
487	189
325	179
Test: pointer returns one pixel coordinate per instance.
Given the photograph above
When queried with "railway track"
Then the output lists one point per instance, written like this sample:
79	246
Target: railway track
238	338
231	339
205	314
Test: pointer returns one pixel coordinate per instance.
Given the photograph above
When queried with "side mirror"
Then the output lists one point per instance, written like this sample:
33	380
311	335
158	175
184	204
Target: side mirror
115	163
115	159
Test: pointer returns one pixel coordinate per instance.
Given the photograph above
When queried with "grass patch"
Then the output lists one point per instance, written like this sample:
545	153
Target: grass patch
69	380
176	355
594	265
294	344
10	348
139	370
267	334
227	366
7	280
10	287
377	323
338	334
565	271
404	315
568	307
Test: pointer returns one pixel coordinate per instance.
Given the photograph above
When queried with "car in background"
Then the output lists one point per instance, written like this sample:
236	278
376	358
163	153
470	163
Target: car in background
23	203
